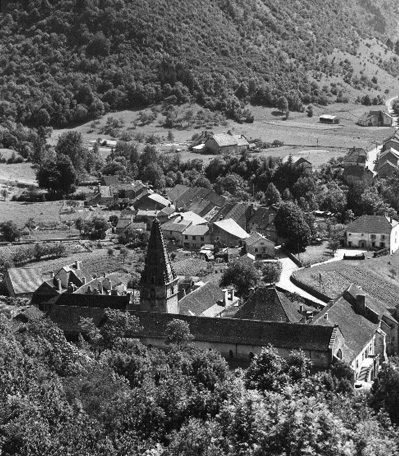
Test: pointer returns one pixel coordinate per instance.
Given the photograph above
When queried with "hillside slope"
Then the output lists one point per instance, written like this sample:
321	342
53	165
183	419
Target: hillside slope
64	62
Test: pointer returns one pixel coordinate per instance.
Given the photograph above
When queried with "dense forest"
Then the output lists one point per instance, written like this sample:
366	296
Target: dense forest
106	394
65	62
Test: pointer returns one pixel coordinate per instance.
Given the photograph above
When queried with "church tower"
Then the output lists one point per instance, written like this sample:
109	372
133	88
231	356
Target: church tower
158	286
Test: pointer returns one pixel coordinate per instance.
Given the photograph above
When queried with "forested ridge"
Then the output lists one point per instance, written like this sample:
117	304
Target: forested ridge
65	62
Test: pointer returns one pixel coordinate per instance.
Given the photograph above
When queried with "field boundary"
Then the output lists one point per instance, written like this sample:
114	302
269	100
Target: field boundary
309	289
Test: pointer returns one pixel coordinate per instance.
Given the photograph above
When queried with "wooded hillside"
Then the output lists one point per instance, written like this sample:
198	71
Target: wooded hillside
65	62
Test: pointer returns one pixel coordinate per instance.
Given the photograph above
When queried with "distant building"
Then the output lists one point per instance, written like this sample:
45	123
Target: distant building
329	119
226	143
387	163
376	118
195	236
262	221
356	156
298	161
373	231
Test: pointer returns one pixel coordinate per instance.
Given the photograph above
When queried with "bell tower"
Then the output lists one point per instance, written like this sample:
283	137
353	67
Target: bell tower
158	285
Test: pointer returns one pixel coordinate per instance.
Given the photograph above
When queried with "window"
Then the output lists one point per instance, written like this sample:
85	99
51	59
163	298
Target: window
194	238
185	236
382	237
231	354
373	236
202	239
256	250
339	354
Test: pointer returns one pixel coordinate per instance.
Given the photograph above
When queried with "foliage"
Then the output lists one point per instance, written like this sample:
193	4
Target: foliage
178	332
291	225
270	271
242	275
94	228
10	231
57	176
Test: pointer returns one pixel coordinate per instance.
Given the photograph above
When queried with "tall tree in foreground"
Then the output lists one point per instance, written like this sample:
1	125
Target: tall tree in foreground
290	224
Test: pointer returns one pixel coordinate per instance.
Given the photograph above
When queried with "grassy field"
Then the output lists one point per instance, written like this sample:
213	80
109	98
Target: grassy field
20	213
19	172
316	254
300	134
372	275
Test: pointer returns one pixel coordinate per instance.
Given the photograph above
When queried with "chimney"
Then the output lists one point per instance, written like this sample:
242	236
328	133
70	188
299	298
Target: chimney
361	301
83	280
89	290
100	288
225	296
114	292
301	308
232	293
326	316
51	275
57	283
78	265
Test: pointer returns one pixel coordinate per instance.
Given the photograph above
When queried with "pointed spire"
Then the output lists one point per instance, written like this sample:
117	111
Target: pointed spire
158	269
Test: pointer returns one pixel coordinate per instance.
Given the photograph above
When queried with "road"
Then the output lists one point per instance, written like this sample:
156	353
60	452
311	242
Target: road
289	267
372	158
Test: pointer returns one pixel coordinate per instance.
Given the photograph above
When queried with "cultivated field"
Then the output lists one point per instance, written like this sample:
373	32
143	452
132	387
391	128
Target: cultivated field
333	278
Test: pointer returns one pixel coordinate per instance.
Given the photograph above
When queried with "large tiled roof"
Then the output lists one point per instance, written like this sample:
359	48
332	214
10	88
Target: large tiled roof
196	230
158	269
235	211
356	329
268	304
231	227
189	216
356	155
291	336
91	300
110	180
295	159
378	224
24	280
176	192
201	299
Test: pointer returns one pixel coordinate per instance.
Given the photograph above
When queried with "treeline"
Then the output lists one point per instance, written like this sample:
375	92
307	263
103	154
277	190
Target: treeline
107	394
66	62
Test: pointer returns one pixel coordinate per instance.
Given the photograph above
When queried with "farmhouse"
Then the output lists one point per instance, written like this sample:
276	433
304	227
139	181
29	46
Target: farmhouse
376	119
195	237
373	231
388	162
355	157
226	143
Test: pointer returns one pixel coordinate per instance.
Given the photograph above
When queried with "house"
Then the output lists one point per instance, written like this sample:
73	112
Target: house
298	161
262	221
391	143
226	143
22	282
376	118
207	300
227	233
365	342
188	216
146	216
200	200
260	246
229	254
124	224
195	237
110	180
269	304
328	119
355	157
373	232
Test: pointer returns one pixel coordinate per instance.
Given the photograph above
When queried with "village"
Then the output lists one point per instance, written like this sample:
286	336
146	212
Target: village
170	231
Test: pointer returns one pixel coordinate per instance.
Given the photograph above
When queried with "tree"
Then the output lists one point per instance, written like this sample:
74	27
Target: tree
270	272
57	176
94	228
291	225
10	231
282	104
272	195
243	276
178	333
71	145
